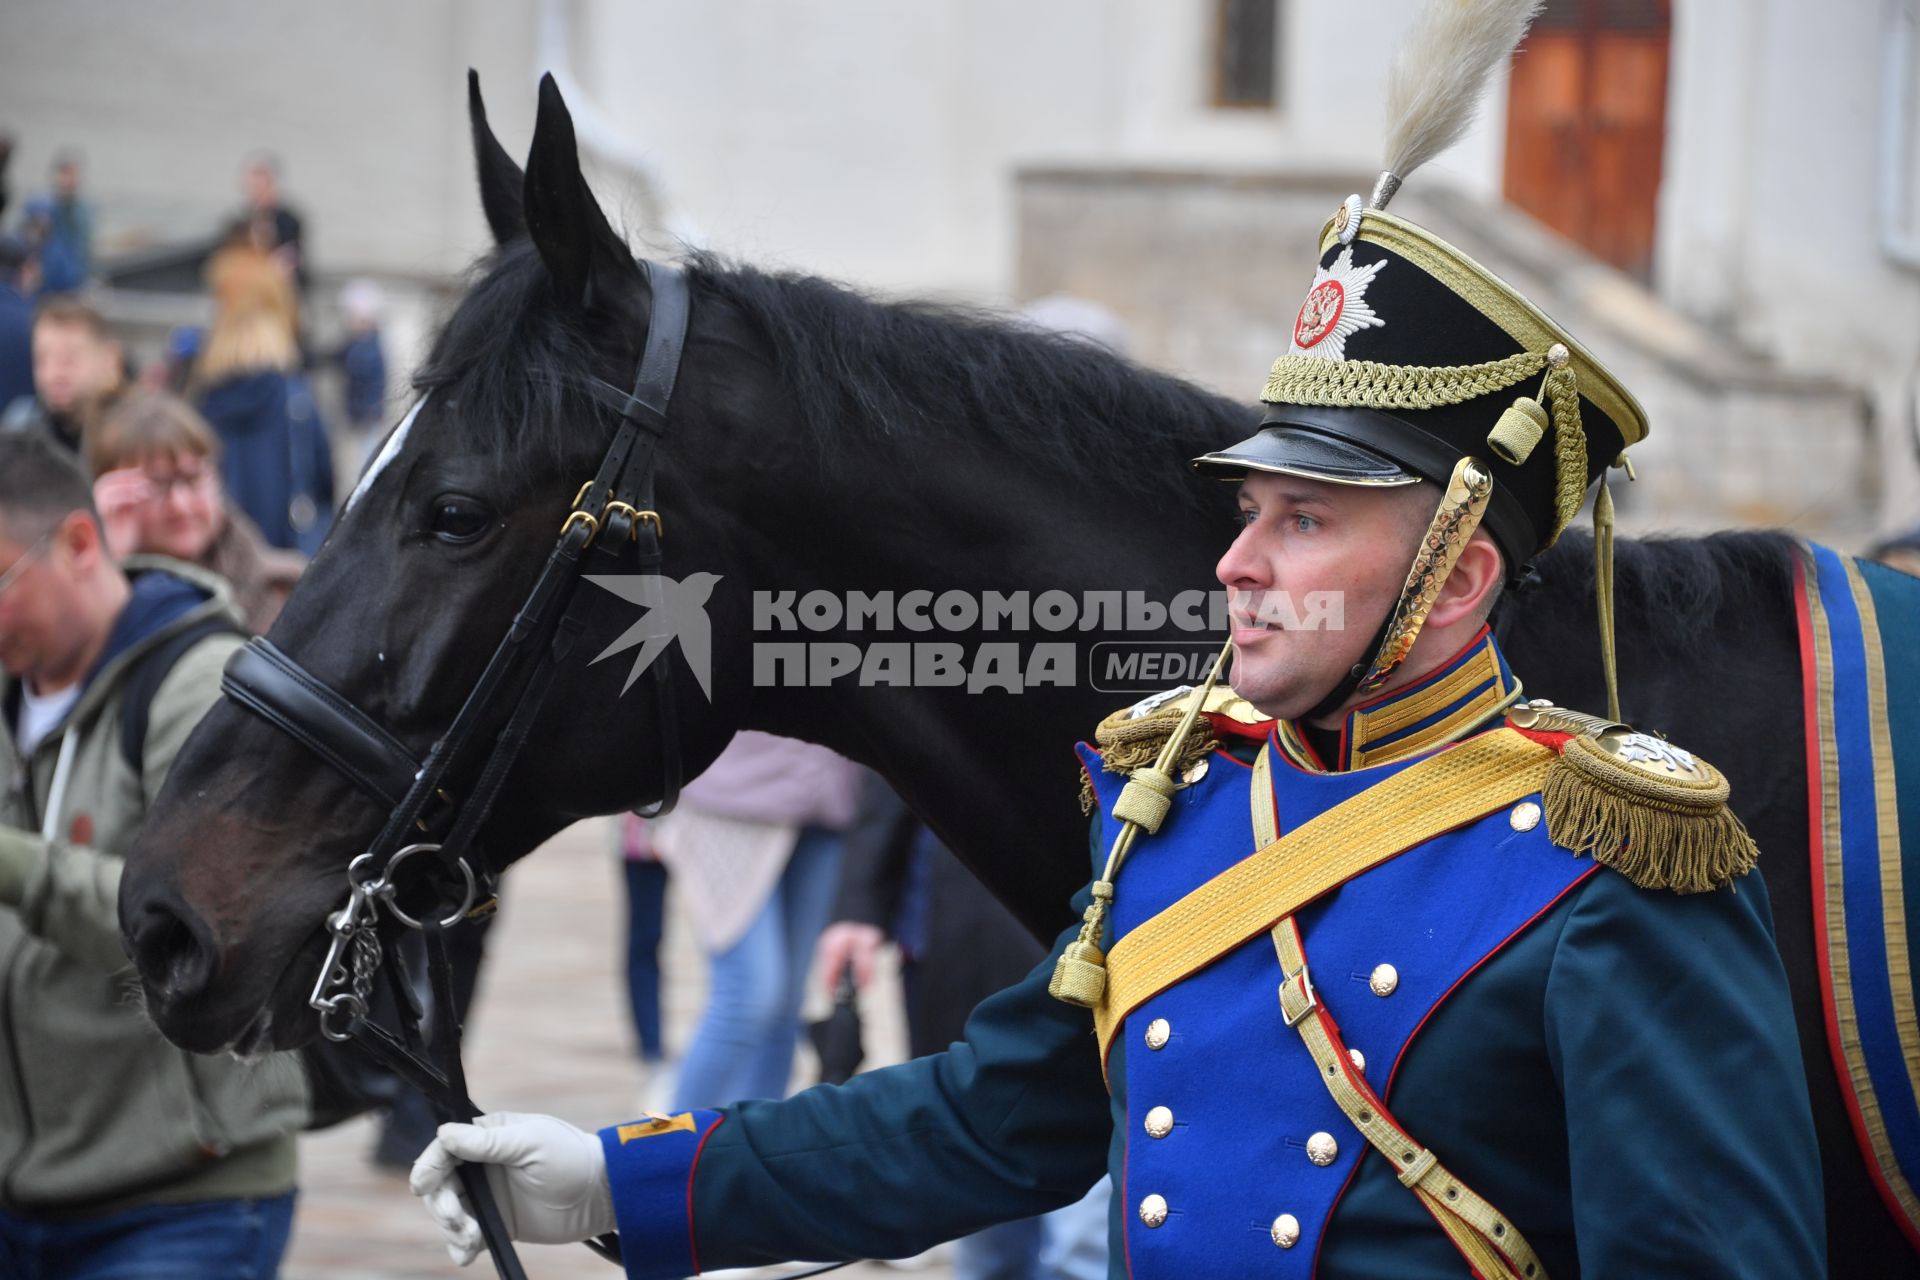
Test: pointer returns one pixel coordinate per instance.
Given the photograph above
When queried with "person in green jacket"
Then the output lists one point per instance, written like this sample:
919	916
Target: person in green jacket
119	1153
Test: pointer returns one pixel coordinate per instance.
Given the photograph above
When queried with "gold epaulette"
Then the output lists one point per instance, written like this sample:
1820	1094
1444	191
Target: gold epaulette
1655	813
1131	737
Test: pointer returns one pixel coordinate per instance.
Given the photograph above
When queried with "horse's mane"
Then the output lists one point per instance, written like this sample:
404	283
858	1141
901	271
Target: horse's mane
1047	400
1665	589
513	359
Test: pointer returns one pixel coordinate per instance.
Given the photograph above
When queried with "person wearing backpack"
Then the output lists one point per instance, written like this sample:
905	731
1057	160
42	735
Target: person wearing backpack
118	1151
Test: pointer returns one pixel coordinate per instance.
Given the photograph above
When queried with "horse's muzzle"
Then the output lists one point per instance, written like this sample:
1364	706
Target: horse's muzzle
170	945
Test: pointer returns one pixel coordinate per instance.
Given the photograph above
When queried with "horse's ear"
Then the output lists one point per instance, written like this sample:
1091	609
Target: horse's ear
574	237
500	178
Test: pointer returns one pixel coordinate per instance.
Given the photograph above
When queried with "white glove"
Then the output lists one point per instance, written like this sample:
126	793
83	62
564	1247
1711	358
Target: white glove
549	1179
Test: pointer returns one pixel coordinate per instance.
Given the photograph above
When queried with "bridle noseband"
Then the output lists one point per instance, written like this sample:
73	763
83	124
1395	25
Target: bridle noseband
612	520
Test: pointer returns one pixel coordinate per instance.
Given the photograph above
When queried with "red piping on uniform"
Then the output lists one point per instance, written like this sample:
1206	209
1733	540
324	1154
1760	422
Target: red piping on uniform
1342	1056
1387	1087
1224	754
1545	737
693	1241
1498	947
1226	726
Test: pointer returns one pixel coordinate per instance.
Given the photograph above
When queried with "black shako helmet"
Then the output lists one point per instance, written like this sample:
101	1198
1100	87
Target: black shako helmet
1407	356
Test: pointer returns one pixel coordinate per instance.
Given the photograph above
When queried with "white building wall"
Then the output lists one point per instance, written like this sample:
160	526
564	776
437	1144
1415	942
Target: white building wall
875	140
861	138
1769	224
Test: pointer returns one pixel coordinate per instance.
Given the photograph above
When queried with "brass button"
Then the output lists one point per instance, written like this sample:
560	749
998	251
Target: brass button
1358	1059
1384	979
1322	1149
1158	1033
1153	1210
1159	1122
1525	816
1286	1231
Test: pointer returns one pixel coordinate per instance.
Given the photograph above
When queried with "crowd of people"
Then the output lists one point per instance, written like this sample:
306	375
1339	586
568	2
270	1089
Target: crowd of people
150	515
238	392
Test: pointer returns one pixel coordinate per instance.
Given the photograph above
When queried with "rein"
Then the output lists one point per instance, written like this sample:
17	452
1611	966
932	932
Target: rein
611	513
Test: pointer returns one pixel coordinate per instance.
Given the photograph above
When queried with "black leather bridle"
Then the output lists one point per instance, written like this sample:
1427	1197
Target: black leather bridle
611	527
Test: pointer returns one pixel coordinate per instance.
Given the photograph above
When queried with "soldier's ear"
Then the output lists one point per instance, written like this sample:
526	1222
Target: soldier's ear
1472	588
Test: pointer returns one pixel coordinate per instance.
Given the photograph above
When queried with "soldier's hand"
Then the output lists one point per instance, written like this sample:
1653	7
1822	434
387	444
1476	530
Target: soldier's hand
549	1179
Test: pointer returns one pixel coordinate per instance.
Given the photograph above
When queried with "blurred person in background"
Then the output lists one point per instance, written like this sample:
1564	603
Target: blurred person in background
78	367
156	468
60	228
958	946
363	363
646	882
16	321
1899	551
754	846
266	217
124	1156
173	371
276	460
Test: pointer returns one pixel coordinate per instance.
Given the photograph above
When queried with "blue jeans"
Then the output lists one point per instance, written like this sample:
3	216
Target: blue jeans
1068	1244
744	1045
205	1240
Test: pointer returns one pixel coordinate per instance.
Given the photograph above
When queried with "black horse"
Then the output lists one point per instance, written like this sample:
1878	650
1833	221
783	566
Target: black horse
822	442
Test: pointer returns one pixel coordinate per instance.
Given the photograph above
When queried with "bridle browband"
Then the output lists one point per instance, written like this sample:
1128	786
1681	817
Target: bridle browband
612	520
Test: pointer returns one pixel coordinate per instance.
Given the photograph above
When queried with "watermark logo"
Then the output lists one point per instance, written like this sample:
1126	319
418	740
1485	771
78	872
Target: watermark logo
856	637
1130	666
674	610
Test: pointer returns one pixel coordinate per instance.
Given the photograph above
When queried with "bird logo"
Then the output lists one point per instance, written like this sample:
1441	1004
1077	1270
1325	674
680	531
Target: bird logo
672	609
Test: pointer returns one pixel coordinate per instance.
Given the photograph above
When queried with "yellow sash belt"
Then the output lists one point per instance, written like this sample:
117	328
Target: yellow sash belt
1456	786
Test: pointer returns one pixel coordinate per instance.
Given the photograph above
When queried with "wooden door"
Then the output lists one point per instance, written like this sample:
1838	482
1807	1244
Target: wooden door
1586	123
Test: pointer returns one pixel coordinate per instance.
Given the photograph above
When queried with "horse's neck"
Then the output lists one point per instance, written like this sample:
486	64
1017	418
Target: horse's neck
991	769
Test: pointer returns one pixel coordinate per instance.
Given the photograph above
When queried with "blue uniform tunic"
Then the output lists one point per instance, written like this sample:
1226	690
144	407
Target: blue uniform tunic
1614	1068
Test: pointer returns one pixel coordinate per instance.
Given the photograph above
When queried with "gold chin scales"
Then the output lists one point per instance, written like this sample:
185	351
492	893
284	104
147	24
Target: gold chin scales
1652	811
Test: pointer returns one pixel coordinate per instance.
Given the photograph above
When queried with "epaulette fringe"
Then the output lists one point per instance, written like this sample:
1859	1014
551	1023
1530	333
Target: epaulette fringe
1655	814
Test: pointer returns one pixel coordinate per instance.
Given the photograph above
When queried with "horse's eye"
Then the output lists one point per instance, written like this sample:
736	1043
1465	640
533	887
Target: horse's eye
457	519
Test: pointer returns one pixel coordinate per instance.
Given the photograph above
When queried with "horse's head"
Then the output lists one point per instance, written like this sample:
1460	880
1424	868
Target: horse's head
243	853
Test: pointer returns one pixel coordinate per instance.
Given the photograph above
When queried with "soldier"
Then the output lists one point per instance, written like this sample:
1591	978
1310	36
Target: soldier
1530	1017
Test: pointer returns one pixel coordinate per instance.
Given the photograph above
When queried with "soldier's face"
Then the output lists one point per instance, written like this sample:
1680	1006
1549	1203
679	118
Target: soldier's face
1309	580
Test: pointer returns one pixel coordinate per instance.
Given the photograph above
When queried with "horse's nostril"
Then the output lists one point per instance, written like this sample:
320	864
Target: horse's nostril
173	957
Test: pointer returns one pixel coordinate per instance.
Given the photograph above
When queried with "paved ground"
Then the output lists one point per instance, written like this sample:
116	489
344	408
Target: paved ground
550	1033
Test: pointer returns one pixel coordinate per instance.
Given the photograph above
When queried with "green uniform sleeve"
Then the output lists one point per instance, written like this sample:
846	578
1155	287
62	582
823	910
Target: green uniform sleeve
1011	1121
1689	1134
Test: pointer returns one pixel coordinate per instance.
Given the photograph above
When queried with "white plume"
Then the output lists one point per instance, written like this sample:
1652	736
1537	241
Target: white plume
1440	71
